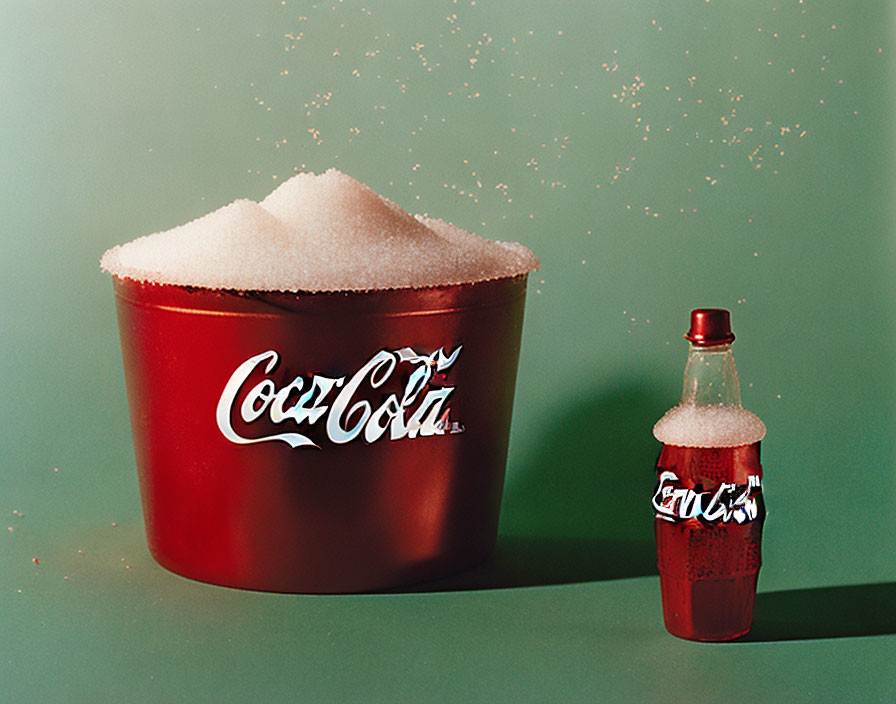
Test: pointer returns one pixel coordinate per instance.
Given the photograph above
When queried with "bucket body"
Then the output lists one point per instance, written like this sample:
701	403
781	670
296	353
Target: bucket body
320	442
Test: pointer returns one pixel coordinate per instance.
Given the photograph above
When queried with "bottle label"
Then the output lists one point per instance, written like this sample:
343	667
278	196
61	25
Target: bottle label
728	503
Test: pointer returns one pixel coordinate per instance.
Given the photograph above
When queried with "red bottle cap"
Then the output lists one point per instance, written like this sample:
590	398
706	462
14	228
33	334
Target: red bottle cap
710	326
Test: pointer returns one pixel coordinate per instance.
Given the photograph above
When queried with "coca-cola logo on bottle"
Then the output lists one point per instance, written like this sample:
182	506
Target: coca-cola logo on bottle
729	502
418	409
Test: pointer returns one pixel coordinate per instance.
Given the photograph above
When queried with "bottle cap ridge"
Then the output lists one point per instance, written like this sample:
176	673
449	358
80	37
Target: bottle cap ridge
710	326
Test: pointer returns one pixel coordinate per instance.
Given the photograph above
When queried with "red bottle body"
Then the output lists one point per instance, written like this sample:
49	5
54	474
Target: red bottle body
709	518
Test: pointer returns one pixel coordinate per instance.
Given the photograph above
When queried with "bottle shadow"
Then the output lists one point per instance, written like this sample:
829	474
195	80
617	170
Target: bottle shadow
578	508
824	612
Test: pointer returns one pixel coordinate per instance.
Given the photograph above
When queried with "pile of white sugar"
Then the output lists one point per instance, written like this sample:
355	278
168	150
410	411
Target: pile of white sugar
316	233
709	426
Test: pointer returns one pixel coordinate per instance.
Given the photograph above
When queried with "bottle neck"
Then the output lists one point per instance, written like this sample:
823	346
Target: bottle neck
710	378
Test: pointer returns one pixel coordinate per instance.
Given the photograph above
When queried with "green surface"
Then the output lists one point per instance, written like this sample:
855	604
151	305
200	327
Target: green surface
656	157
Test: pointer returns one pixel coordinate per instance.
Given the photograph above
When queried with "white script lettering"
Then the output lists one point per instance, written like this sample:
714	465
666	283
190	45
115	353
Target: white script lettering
346	418
729	502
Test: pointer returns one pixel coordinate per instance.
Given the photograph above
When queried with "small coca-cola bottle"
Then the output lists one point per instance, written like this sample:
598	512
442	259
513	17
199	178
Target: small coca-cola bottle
708	498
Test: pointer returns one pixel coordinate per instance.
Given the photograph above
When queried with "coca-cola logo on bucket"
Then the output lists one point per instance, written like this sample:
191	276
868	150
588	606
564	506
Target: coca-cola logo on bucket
417	409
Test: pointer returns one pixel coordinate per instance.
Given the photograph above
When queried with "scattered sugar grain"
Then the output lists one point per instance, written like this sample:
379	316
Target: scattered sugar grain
709	426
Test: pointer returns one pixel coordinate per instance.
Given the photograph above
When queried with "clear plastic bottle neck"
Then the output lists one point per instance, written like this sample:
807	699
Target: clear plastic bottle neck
710	377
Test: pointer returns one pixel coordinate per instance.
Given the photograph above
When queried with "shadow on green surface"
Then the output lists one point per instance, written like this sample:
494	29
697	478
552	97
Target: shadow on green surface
578	508
824	612
528	562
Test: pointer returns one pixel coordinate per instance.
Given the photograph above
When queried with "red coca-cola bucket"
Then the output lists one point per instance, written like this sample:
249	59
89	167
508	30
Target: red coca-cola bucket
320	442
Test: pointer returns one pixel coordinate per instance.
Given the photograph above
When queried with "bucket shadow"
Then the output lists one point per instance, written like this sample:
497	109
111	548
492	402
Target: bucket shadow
824	612
578	508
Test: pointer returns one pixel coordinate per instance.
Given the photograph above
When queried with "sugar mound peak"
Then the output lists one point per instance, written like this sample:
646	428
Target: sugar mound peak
709	426
324	232
200	252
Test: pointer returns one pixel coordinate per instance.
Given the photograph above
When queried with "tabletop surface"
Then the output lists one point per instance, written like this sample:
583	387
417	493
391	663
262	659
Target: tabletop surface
98	620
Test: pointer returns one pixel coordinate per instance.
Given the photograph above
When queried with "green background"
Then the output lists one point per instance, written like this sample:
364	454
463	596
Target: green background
656	156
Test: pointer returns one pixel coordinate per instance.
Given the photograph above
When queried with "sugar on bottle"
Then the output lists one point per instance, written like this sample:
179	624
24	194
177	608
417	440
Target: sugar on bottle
708	499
